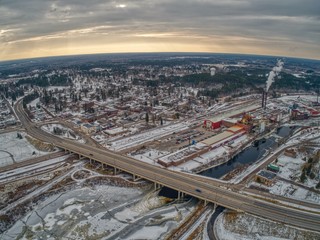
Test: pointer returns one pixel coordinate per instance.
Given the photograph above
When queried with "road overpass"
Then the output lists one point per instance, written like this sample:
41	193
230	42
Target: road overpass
209	190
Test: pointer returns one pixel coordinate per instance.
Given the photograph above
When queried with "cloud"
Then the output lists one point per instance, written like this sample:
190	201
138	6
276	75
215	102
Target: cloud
246	26
121	5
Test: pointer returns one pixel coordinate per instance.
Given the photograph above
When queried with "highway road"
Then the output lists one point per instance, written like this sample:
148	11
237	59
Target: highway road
196	186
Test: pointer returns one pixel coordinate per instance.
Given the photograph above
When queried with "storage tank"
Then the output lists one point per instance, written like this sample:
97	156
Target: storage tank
262	126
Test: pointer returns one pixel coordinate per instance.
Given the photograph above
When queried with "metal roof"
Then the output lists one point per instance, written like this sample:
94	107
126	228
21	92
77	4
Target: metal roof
234	128
238	110
217	138
267	174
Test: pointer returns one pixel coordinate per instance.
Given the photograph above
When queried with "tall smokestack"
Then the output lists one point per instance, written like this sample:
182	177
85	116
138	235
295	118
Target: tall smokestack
262	105
265	99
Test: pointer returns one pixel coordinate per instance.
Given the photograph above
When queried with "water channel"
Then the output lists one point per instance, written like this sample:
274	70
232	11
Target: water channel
248	155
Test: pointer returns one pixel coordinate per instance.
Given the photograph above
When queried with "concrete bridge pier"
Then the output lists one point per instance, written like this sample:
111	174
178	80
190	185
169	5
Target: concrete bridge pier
157	186
180	195
135	178
116	171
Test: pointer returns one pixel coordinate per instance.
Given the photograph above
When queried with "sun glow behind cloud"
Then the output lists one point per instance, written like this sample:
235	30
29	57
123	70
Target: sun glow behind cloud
121	5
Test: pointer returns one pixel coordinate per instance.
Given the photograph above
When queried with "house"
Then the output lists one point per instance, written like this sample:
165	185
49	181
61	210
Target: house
87	105
88	128
265	177
77	123
290	153
115	131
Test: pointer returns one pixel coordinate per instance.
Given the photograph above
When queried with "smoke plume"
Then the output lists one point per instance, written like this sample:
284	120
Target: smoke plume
274	73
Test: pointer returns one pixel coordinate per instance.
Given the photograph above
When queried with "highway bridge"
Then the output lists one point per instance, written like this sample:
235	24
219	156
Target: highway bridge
210	190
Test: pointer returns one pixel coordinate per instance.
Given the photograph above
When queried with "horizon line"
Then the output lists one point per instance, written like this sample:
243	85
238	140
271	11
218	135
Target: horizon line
133	53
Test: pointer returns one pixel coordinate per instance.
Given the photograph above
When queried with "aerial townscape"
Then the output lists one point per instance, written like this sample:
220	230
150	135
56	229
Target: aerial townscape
180	146
159	120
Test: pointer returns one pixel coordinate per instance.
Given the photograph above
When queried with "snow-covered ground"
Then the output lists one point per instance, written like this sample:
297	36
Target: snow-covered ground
202	159
66	132
313	134
53	88
34	102
144	137
302	97
44	188
150	156
60	213
288	183
34	169
248	227
292	191
290	168
210	156
203	219
99	213
13	149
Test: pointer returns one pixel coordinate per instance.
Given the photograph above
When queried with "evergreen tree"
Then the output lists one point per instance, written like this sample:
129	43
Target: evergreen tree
303	177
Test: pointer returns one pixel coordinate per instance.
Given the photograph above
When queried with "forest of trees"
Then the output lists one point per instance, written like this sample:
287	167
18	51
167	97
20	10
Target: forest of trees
235	82
44	81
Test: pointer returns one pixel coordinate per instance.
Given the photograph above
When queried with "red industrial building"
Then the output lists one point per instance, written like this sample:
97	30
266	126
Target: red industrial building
218	120
297	115
212	125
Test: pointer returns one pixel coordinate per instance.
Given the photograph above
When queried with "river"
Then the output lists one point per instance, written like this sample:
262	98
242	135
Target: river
248	155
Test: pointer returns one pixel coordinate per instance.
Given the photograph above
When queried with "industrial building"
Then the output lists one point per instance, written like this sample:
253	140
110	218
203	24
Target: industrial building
218	120
186	154
224	137
183	155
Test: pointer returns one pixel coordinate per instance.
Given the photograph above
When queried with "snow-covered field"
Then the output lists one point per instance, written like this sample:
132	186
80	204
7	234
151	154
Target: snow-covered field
313	133
290	168
61	213
13	149
292	191
66	132
248	227
105	212
144	137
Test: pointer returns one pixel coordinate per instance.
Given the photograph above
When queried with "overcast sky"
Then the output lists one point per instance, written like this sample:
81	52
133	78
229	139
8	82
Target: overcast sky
32	28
